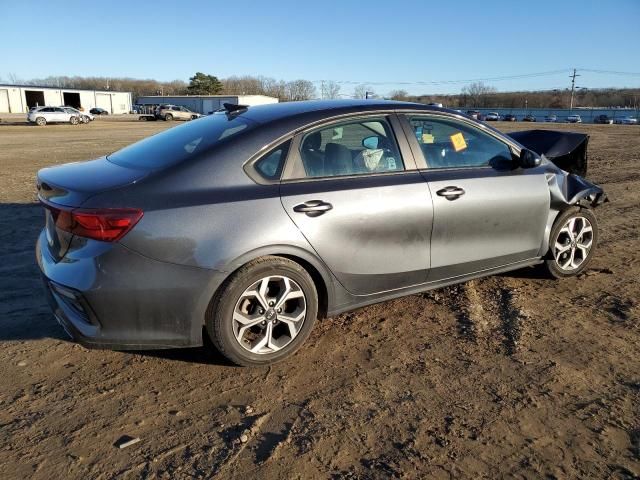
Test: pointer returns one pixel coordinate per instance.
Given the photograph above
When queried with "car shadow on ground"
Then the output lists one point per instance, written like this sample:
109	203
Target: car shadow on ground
24	313
206	354
536	272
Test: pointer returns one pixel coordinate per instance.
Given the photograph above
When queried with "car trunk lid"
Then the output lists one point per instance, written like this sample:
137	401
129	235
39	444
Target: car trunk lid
69	186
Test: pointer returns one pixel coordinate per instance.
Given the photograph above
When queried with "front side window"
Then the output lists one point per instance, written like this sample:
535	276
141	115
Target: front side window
452	144
359	147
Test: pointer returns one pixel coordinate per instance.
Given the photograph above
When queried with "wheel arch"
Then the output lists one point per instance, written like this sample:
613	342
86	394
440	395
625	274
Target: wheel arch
318	271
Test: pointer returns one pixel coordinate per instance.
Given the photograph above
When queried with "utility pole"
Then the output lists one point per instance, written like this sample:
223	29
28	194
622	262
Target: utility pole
573	86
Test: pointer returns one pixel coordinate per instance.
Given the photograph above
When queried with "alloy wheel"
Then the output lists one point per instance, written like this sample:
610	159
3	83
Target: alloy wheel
269	314
573	243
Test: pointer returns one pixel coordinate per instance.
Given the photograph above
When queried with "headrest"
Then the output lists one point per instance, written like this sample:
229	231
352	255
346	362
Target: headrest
312	141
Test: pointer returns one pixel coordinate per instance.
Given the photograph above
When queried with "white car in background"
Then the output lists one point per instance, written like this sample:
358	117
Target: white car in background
492	117
43	115
85	117
574	119
626	121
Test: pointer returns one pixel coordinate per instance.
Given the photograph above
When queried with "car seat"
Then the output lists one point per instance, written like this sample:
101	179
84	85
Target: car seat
312	157
338	159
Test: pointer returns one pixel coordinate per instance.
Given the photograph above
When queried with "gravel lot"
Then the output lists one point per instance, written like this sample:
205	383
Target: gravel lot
513	375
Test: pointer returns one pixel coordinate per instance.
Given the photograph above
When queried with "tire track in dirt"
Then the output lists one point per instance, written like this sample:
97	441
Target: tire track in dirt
485	309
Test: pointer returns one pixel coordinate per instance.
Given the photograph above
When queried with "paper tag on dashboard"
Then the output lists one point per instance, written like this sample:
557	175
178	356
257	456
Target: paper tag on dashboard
458	142
427	138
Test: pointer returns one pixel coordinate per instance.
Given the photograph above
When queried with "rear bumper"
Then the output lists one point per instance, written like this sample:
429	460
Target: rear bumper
107	296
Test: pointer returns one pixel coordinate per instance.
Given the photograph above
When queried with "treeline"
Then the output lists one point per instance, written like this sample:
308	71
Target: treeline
482	96
476	95
245	85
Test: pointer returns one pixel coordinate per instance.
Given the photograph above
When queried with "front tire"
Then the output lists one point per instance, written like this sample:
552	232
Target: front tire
74	121
572	243
41	121
264	312
168	117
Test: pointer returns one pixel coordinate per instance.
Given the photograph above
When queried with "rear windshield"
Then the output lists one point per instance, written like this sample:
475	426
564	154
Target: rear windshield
180	143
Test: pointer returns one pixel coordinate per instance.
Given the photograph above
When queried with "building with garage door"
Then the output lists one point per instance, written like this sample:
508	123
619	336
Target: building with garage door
20	98
205	103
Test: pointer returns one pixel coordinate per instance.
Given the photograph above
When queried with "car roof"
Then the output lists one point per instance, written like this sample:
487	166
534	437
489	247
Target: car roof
320	109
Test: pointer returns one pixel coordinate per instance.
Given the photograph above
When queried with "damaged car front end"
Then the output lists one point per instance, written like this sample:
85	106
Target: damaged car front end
571	227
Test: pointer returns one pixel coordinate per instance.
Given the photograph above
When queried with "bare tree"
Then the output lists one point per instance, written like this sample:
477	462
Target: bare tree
399	95
329	89
362	90
14	79
477	93
300	90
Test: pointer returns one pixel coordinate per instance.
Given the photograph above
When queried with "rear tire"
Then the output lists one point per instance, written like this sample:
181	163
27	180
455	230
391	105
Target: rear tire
41	121
168	117
264	312
572	243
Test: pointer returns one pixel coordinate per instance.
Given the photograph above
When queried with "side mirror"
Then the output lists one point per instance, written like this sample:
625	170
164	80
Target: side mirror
528	159
370	143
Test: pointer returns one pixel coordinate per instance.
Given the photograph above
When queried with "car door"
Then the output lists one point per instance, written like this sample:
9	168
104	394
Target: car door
61	115
177	112
354	192
487	212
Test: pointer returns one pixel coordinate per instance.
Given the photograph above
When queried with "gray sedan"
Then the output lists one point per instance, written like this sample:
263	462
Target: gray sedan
250	224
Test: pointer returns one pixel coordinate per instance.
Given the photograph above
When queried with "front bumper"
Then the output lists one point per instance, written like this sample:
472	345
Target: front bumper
107	296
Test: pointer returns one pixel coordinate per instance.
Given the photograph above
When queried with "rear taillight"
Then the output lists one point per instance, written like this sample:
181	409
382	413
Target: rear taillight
104	224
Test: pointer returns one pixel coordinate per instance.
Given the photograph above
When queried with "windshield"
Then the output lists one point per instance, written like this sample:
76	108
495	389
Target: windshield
180	143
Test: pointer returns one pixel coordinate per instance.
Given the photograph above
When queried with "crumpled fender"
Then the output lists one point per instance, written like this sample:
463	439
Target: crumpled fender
568	189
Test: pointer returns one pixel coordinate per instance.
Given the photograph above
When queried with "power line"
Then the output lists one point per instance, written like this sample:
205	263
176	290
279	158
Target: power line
450	82
611	72
484	79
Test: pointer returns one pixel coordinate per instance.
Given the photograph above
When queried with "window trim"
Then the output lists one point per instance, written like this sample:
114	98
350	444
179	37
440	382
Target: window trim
286	146
421	161
294	165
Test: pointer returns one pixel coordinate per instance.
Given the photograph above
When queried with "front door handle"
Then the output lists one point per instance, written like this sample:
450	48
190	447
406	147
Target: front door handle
451	192
313	208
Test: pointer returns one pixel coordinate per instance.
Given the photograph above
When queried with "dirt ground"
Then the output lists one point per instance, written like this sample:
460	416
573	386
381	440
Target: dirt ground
510	376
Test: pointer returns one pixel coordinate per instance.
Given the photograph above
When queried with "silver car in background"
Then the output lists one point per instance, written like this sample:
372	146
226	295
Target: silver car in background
85	117
43	115
252	223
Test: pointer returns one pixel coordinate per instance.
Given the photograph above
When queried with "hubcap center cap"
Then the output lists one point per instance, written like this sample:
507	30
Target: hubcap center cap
270	315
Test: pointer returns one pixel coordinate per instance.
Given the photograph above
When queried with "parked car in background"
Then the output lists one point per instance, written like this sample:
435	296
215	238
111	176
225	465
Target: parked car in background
98	111
574	119
551	118
43	115
256	221
492	117
85	117
626	121
473	113
604	119
510	118
435	104
529	118
176	112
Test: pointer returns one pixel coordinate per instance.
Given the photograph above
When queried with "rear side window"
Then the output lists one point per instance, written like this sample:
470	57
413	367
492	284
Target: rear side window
270	166
177	144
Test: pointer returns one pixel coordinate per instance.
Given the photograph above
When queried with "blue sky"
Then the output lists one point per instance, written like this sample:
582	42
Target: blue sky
369	42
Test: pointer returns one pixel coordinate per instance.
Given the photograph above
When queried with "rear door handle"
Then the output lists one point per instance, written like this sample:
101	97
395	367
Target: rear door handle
451	192
313	208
